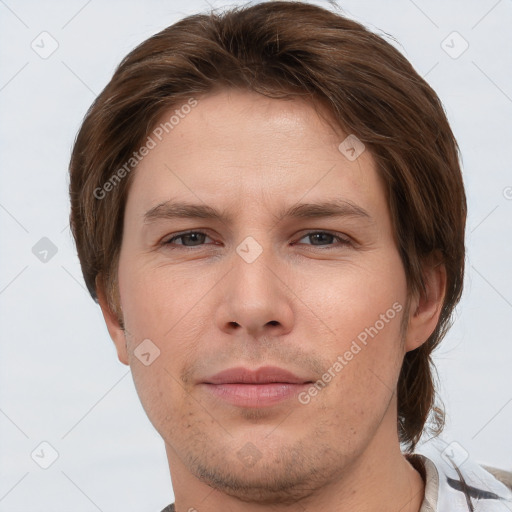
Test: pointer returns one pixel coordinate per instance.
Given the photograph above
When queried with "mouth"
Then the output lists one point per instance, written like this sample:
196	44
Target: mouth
259	388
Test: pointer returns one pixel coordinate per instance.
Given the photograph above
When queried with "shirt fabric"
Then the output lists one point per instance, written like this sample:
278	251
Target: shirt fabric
454	482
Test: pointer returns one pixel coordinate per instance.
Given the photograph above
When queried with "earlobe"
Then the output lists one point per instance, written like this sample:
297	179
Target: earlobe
114	327
426	306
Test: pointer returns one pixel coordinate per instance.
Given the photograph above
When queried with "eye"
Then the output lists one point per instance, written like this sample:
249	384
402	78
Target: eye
317	239
325	237
189	239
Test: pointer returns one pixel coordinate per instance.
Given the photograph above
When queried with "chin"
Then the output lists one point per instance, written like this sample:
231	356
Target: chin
263	487
279	477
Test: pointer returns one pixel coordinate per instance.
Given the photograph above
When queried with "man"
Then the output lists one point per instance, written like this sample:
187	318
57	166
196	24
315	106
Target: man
269	208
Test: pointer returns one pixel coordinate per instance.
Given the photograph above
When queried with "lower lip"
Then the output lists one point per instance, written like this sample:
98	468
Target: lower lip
256	395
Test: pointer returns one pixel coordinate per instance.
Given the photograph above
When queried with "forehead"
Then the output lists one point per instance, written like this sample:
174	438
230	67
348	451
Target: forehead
238	146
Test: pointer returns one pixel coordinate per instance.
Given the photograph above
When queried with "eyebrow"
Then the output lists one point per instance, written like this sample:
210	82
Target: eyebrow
182	210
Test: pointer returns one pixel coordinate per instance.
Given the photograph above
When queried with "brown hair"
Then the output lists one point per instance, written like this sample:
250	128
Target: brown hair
284	49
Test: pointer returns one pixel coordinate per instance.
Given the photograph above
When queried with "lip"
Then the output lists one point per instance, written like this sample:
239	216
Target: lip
266	386
263	375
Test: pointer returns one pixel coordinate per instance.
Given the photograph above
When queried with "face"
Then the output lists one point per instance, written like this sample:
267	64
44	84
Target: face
271	281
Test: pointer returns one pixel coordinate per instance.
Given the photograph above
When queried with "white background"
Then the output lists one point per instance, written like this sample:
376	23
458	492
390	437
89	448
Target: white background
60	380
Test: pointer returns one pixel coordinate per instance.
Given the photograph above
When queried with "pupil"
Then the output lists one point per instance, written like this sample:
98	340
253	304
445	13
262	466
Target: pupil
194	237
321	237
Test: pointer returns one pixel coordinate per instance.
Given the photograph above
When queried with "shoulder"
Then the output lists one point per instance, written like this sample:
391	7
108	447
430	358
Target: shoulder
453	479
505	477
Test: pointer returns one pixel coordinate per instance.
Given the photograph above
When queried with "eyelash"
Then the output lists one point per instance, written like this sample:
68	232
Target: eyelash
343	240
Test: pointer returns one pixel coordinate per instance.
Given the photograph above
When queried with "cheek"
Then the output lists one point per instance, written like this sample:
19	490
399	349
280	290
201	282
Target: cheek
352	298
363	309
165	307
157	306
159	391
157	302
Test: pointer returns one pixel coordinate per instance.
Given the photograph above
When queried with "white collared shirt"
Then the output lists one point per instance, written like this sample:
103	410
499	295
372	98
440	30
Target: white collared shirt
456	483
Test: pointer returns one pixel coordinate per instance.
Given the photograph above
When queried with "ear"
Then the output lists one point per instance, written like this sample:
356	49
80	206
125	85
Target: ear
426	305
115	329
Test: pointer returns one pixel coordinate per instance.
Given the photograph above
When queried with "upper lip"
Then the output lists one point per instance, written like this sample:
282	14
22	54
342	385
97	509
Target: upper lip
263	375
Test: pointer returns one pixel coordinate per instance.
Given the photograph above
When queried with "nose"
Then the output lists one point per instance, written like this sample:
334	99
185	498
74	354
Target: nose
255	299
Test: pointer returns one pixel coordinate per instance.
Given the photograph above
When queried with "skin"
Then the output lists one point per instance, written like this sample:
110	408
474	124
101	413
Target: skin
298	306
